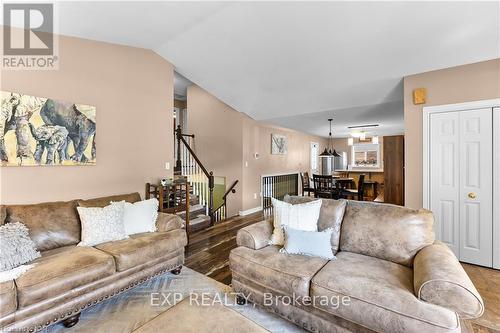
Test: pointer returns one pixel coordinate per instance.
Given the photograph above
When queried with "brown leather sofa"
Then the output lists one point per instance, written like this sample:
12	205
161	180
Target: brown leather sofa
395	276
68	278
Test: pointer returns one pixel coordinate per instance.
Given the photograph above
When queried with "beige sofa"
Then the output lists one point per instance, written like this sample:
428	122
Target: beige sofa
69	278
392	274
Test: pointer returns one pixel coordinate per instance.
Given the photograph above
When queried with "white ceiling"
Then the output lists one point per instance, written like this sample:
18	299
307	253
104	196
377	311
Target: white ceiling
297	63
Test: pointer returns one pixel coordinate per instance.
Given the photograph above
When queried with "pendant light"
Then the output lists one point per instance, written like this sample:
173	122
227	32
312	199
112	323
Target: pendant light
328	150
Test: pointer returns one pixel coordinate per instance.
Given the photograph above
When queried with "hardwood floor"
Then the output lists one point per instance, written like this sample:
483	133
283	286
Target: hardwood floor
487	282
208	253
208	250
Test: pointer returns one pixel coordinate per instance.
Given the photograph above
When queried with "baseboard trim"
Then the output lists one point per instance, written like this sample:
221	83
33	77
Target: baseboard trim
250	211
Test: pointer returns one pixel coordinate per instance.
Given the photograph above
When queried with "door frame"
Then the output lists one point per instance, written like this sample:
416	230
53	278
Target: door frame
318	167
496	187
426	116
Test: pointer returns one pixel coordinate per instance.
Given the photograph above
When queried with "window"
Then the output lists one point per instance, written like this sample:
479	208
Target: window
366	155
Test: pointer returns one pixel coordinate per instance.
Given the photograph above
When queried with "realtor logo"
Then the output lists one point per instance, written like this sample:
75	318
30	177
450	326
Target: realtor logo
28	36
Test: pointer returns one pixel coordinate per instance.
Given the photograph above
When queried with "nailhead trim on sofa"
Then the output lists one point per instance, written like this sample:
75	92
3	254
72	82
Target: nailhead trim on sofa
75	311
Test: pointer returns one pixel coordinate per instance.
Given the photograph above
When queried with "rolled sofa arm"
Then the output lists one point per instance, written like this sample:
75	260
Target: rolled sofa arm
255	236
168	222
438	278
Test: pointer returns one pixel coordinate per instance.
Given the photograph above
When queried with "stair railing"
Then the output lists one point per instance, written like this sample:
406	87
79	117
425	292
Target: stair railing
277	186
190	166
220	213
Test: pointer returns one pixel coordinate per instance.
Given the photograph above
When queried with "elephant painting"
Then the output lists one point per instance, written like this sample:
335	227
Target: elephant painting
53	139
40	131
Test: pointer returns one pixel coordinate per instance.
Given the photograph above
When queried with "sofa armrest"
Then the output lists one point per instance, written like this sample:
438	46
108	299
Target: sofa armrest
255	236
168	222
438	278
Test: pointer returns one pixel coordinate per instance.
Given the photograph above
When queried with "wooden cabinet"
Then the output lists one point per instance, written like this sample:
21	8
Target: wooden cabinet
394	169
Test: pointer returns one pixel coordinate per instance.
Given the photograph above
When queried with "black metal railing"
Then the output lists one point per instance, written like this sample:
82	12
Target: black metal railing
277	187
220	213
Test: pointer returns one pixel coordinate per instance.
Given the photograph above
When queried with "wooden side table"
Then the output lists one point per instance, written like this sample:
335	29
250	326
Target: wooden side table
172	198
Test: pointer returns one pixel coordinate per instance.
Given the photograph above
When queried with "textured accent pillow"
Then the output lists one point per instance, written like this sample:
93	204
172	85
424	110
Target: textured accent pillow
301	217
100	225
330	215
16	247
309	243
140	216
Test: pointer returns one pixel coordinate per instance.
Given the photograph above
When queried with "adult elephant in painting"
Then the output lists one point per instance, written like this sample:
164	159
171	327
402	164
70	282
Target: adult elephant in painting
15	114
80	128
51	138
5	125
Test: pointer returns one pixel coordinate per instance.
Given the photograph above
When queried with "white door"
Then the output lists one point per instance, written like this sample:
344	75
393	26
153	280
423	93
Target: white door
476	188
445	178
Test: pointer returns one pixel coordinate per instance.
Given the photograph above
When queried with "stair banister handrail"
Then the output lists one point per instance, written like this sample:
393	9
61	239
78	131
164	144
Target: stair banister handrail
231	189
209	174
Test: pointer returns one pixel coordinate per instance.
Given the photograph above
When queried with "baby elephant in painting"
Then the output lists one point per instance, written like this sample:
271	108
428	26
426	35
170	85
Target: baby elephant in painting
52	138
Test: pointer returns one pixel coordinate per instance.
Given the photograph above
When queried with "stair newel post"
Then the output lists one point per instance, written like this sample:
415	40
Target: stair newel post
211	197
178	162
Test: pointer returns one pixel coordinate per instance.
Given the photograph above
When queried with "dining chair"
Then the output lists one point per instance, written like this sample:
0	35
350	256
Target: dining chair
353	193
306	184
324	187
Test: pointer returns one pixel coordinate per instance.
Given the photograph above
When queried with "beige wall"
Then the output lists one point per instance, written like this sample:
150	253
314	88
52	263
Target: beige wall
226	139
218	140
257	139
132	90
466	83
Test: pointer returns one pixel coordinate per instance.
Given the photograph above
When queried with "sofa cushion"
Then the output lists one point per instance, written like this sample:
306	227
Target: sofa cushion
144	247
330	215
61	270
8	299
50	224
380	296
106	201
385	231
288	274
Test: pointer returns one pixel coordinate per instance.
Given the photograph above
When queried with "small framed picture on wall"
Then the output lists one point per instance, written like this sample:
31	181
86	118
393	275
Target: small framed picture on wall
279	144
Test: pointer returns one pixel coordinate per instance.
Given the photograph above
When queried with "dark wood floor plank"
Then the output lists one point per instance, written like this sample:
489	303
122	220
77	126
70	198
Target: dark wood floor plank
208	250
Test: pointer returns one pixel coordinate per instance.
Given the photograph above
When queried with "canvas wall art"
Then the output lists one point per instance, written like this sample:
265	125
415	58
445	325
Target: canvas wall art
42	131
279	144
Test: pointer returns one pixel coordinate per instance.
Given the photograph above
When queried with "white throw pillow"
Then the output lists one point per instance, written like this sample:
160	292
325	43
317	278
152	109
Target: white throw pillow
300	217
100	225
140	216
308	243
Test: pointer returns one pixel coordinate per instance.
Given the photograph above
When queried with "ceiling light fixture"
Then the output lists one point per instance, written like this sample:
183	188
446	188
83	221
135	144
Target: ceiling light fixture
362	126
328	149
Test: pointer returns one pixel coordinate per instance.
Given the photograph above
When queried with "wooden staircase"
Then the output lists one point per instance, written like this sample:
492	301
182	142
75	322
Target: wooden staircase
201	182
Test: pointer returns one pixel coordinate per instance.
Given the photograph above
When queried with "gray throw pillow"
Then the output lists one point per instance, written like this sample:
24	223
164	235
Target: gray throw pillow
309	243
16	246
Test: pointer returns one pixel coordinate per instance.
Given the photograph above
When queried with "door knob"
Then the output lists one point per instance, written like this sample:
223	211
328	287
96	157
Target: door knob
472	195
